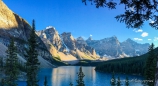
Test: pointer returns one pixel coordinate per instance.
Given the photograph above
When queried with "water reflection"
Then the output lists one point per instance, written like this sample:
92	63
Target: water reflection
61	77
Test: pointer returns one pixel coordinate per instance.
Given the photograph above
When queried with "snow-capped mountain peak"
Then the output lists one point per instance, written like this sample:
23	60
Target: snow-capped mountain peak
50	27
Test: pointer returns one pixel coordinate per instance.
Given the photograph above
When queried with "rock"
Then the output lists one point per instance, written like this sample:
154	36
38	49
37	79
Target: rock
111	47
65	45
68	40
12	25
133	48
52	35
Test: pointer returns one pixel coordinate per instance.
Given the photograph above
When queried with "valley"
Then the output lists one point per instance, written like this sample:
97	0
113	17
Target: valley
63	47
62	57
66	48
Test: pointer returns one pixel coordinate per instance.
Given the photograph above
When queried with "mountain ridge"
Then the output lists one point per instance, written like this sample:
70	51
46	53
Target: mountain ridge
106	47
102	46
14	26
66	45
52	45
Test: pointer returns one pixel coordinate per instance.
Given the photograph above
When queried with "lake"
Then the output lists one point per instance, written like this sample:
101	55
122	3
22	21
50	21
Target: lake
63	75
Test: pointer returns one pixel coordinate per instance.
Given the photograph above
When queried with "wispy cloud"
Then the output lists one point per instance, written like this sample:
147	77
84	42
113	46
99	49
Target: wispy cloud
155	38
140	30
144	34
91	35
149	39
138	39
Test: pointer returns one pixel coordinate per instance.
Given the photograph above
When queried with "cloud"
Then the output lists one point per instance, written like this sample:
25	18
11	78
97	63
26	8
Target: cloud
140	30
144	34
138	39
149	39
155	38
91	35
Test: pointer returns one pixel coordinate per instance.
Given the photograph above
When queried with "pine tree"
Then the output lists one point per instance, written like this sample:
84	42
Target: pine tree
118	82
32	59
2	82
11	66
127	82
45	81
1	64
80	81
150	67
71	84
113	80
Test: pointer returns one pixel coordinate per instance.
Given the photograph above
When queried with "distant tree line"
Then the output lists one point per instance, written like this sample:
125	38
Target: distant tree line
117	82
134	65
144	65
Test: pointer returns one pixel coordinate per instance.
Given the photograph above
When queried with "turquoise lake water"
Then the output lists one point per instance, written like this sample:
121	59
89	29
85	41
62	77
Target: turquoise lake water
63	75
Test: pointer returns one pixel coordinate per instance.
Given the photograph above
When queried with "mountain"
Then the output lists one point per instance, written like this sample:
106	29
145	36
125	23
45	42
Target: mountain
134	65
12	25
107	46
79	46
65	47
132	48
111	47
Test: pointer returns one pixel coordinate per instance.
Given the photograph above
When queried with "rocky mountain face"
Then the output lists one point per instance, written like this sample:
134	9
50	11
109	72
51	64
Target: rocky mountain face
12	25
106	47
133	48
65	47
111	47
77	44
52	35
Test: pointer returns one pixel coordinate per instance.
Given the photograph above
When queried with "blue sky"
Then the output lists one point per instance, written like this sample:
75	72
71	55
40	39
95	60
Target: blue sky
73	16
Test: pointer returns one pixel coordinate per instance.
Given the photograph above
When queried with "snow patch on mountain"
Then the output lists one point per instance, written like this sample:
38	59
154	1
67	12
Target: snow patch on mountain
67	49
49	27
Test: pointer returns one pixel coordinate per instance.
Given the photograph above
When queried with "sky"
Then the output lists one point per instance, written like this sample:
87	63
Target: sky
80	19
